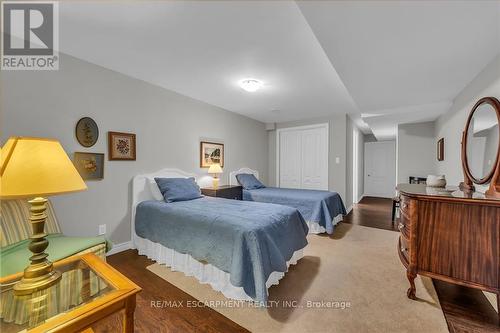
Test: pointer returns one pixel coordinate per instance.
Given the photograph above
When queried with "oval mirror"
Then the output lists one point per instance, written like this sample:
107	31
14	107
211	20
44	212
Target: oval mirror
482	141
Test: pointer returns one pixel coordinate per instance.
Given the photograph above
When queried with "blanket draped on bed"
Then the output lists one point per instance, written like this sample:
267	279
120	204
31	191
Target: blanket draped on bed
248	240
315	206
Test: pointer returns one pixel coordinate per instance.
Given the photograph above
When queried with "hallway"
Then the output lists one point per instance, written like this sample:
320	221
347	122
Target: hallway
372	212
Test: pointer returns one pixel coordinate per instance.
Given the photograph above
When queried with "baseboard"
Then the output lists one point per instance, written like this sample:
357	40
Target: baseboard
119	248
377	196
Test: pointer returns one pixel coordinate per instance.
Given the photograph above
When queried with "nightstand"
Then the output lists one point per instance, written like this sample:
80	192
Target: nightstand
89	291
224	191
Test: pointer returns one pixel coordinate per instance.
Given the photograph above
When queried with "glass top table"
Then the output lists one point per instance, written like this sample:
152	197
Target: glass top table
87	284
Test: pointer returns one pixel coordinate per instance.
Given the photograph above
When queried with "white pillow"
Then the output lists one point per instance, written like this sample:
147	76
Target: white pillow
155	191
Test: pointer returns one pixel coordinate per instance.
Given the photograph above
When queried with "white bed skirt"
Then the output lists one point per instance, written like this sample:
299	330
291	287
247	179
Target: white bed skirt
315	228
204	273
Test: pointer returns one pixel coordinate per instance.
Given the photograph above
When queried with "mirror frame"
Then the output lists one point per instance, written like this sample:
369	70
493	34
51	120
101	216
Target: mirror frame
494	174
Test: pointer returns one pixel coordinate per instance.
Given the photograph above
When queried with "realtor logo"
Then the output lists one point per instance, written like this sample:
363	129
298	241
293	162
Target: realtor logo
30	35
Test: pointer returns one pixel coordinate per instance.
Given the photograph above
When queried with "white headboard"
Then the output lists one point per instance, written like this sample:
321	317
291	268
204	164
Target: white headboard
141	190
232	175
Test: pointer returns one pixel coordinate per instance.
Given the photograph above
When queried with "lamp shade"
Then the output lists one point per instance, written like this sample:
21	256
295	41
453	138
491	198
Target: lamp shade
215	168
32	167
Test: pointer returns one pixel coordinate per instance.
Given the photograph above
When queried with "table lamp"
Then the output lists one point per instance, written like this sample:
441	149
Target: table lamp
36	168
215	170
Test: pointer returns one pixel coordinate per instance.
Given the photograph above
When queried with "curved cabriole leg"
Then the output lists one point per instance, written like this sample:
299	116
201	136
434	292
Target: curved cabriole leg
411	291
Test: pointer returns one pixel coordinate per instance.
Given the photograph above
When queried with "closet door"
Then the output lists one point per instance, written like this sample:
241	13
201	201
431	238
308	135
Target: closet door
303	158
314	159
290	159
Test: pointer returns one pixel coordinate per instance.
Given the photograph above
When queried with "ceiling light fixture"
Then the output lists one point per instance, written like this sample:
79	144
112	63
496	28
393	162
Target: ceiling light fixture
250	85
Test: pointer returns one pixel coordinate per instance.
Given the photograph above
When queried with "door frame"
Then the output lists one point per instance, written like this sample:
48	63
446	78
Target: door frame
355	165
295	128
365	172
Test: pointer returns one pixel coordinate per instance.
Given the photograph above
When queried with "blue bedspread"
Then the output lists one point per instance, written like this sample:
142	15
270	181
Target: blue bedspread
315	206
248	240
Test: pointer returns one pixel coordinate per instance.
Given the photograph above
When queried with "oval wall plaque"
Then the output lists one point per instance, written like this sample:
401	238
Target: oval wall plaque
87	132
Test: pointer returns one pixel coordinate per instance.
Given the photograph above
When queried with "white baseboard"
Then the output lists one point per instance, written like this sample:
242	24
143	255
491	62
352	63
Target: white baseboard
120	248
354	203
378	196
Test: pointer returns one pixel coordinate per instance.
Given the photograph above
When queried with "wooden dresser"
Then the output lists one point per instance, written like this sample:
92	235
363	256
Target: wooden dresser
452	237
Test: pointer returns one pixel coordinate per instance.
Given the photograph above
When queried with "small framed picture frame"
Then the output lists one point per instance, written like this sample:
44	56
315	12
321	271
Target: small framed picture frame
440	149
89	165
121	146
211	153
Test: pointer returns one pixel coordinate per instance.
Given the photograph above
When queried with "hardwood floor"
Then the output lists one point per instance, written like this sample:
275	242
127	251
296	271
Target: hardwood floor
154	313
466	310
372	212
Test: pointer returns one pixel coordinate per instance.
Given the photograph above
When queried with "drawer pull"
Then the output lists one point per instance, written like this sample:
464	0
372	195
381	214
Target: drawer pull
404	249
401	226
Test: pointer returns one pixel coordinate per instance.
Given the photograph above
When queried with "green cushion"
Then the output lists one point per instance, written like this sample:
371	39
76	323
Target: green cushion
15	257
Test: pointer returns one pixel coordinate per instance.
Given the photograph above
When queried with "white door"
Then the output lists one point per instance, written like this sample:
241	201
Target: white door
303	157
380	169
315	159
290	159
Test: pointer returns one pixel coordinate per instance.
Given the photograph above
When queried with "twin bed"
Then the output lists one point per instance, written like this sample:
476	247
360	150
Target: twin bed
240	248
322	210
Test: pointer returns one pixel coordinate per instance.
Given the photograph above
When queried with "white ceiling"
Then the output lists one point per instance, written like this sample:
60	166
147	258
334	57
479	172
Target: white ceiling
383	62
405	61
203	49
383	123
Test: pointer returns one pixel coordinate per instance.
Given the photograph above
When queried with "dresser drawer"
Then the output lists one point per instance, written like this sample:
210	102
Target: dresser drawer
404	248
225	191
404	225
404	205
234	194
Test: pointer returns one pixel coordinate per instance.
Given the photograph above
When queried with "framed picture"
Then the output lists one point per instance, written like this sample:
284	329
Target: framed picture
86	132
211	153
440	149
89	165
121	146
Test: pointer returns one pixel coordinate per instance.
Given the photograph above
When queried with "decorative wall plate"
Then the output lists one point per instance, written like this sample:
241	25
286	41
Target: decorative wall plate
87	132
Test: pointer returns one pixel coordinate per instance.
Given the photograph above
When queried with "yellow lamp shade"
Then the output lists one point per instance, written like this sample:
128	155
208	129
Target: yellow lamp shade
215	169
32	167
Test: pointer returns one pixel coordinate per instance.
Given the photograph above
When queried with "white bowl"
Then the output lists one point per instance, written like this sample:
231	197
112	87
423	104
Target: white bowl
436	181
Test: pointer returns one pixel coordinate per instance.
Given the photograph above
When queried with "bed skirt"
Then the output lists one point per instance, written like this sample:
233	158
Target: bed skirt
204	273
315	228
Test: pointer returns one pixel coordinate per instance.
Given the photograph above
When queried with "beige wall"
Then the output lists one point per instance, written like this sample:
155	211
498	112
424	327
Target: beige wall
169	127
416	151
451	125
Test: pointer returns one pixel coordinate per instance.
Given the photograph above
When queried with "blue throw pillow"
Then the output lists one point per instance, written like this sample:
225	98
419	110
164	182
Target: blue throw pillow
178	189
248	181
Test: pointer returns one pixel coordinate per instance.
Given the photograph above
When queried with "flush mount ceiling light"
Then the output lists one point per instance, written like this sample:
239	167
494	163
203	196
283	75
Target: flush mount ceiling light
250	85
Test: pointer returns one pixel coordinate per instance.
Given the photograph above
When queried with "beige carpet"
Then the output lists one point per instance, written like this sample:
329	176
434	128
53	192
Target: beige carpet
359	265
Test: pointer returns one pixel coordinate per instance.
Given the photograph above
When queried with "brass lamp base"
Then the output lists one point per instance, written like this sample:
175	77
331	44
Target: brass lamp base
40	273
27	286
215	183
